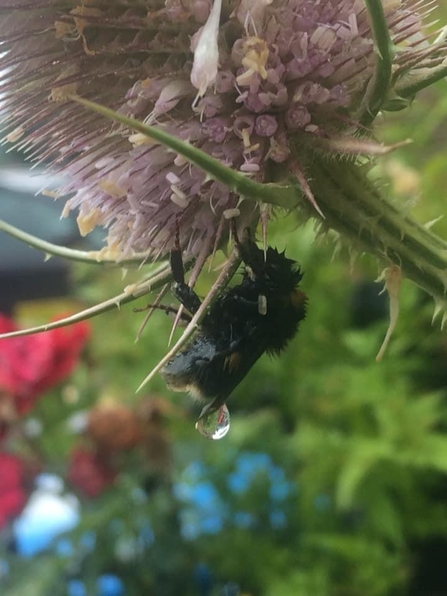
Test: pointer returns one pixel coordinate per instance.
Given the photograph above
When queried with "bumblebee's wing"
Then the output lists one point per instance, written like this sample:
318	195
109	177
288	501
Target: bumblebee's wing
210	369
185	370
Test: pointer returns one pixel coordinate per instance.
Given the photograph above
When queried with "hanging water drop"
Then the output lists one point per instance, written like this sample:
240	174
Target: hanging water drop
215	425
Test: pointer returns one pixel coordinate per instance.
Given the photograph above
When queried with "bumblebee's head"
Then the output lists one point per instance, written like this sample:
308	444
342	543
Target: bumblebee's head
282	272
271	269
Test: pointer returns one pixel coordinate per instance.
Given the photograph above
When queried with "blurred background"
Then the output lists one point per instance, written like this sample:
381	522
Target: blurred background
333	477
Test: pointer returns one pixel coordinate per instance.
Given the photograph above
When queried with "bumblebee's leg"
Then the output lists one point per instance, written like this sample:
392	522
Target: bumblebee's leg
241	304
247	249
238	244
176	261
184	294
212	407
169	310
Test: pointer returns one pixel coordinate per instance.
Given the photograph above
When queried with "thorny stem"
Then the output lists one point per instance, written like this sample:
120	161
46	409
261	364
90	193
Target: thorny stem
55	250
155	280
355	208
379	85
408	89
275	194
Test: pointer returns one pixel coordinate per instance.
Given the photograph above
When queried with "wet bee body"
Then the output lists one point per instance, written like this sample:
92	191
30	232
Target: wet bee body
261	314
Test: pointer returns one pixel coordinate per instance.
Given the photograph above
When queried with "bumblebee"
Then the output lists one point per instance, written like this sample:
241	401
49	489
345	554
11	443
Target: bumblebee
260	314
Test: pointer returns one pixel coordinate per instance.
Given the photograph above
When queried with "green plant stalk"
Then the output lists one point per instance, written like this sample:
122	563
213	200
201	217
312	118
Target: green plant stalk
377	90
71	254
285	196
155	280
407	89
354	207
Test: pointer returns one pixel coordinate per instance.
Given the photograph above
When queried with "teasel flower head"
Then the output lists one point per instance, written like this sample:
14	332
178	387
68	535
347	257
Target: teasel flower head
262	86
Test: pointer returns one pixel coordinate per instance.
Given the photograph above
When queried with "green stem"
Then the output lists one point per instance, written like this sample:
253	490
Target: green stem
54	250
154	281
275	194
354	207
380	83
407	89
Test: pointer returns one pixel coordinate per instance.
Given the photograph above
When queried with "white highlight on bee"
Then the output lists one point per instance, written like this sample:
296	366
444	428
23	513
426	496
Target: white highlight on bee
262	304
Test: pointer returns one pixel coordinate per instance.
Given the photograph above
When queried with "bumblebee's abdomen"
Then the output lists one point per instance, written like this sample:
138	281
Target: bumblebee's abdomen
209	369
184	372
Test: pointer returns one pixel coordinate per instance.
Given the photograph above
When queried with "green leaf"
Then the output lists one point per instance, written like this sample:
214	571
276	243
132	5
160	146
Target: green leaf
363	454
36	578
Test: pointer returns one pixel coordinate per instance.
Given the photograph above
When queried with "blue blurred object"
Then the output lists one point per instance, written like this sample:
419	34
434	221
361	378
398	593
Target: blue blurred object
204	579
48	514
109	585
4	570
147	535
88	541
230	589
205	510
106	585
64	548
243	519
278	519
76	587
322	502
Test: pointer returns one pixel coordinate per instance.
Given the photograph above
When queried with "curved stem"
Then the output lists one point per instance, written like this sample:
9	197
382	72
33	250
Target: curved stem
407	89
157	279
275	194
356	209
55	250
378	87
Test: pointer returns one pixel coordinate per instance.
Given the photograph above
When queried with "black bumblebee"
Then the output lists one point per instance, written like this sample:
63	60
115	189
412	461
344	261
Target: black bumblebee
259	315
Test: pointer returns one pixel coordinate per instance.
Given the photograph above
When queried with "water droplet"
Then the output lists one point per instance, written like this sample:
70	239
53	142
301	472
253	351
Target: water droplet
215	425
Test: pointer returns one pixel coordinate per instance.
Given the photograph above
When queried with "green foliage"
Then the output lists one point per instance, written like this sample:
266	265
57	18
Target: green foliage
364	442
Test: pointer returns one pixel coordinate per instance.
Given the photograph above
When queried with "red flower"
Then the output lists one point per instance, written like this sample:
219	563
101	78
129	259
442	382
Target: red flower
12	494
32	364
89	472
